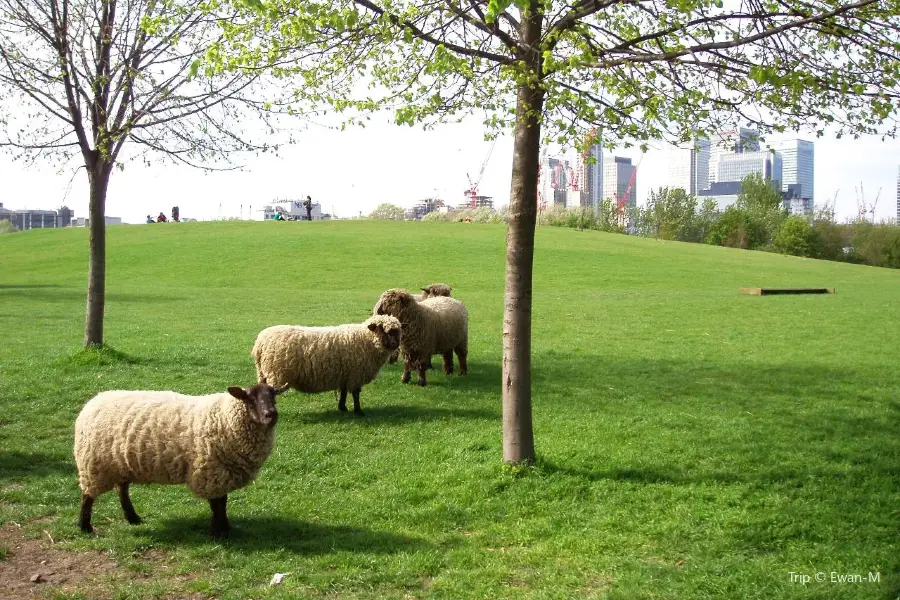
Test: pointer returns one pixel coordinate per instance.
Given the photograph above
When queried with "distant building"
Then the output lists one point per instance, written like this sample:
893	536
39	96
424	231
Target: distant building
735	140
424	207
798	173
617	174
723	193
37	219
737	166
292	208
480	202
898	195
689	167
591	191
83	222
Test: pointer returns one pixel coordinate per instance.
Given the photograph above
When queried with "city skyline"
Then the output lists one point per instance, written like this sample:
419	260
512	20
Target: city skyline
435	162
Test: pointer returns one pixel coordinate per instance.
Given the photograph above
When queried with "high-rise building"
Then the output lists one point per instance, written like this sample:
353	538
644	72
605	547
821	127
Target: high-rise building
734	167
689	167
797	173
736	140
592	178
617	174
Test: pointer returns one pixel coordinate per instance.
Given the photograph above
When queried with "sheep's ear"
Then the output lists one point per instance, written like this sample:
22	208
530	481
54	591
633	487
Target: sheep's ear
239	393
426	289
373	326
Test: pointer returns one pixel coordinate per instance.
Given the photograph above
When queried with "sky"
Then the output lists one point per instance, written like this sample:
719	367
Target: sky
353	171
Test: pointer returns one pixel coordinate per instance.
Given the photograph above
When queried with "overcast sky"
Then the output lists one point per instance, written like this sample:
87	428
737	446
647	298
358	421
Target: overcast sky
353	171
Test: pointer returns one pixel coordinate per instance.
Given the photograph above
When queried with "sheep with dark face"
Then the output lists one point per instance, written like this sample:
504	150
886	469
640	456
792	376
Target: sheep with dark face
215	444
322	359
429	291
433	326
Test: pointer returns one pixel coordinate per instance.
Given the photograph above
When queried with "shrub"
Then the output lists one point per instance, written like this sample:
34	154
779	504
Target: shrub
797	237
737	228
7	227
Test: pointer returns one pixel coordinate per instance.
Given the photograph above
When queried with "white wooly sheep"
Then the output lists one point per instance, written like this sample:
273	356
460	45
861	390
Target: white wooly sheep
429	291
433	326
215	444
321	359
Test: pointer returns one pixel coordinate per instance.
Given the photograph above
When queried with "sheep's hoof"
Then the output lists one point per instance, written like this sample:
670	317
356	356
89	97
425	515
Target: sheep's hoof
422	383
134	519
220	533
342	408
359	413
86	528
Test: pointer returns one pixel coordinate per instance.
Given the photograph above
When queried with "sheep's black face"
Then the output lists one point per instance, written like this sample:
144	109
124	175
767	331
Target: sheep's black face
260	402
390	339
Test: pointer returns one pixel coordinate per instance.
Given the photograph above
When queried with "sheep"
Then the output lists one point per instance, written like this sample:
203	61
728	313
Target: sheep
429	291
321	359
433	291
433	326
215	444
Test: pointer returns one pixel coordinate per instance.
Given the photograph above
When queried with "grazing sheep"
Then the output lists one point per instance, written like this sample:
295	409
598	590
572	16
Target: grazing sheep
429	291
433	326
321	359
433	291
215	444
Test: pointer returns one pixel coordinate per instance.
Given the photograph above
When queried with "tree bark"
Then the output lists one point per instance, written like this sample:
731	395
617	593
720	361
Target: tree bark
518	436
98	176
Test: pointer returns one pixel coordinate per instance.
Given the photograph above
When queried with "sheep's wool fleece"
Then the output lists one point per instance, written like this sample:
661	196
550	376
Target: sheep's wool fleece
435	325
207	442
320	359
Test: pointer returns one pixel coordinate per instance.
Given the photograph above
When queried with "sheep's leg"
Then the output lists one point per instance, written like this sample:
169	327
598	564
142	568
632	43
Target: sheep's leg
220	525
342	403
448	362
407	369
422	368
461	353
87	505
393	357
356	408
127	507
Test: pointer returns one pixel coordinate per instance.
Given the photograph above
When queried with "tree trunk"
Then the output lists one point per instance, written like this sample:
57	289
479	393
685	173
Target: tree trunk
518	437
98	176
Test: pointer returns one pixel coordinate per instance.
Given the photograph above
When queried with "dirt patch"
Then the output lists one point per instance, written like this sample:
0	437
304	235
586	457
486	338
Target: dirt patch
31	569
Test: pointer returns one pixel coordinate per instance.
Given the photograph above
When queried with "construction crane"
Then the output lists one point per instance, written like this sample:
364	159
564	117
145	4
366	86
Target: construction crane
472	192
622	200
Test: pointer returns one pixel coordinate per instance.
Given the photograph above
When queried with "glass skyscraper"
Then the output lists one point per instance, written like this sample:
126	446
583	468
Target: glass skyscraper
689	167
798	172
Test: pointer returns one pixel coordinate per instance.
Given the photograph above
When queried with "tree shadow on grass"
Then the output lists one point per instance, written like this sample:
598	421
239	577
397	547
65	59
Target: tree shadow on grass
28	286
275	533
16	466
397	414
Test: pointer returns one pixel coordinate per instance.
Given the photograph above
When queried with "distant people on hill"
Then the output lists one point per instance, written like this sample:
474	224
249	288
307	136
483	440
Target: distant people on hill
308	204
150	219
161	218
175	214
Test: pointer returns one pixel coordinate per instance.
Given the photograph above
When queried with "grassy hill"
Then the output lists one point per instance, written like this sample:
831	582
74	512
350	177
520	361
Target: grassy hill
693	442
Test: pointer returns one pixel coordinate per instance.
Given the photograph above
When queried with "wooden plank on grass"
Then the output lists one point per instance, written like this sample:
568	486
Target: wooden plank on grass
755	291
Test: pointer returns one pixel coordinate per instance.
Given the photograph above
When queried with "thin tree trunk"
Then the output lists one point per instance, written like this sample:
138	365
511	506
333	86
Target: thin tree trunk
518	436
98	176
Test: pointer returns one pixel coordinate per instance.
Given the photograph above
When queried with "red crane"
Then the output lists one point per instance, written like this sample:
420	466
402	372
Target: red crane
472	192
621	200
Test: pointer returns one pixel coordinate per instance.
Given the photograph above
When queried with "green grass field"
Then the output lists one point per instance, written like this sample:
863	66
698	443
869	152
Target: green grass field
693	442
